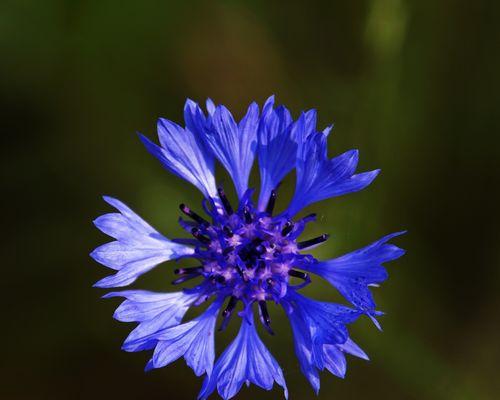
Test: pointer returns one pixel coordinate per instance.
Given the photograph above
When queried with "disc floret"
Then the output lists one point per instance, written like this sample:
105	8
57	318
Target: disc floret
247	254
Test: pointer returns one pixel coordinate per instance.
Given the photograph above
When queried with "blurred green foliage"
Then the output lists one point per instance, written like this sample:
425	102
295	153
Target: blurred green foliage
412	84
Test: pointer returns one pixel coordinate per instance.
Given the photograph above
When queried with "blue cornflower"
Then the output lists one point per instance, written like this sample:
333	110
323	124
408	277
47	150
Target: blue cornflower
246	255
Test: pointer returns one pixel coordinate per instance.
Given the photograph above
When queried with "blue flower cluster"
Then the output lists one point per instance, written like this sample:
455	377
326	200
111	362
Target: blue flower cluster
246	255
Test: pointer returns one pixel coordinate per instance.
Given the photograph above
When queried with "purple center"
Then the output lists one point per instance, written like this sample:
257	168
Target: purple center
247	254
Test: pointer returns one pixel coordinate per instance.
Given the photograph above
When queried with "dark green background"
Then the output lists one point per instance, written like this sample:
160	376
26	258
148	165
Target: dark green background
413	85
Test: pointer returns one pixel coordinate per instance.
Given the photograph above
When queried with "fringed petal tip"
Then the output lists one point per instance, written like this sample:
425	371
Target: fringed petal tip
246	360
184	153
137	249
234	144
373	317
320	178
149	366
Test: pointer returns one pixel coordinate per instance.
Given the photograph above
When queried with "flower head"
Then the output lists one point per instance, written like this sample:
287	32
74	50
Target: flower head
246	254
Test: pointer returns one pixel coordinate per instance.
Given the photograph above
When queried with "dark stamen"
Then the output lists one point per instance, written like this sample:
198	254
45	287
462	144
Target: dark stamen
202	238
266	320
185	278
240	272
247	214
261	264
309	218
287	228
217	278
228	231
226	314
298	274
227	250
312	242
191	214
188	271
225	201
271	202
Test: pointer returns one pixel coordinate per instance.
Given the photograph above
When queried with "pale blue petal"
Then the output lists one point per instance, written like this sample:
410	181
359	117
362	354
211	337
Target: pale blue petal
194	340
116	255
233	144
246	360
210	106
334	360
334	356
195	119
155	312
138	247
142	305
184	154
352	348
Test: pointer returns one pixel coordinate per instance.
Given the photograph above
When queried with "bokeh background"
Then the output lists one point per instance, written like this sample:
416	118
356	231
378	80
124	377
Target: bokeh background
412	84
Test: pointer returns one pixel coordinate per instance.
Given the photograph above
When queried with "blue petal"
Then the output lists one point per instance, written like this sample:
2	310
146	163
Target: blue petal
352	348
319	178
334	360
210	106
194	340
195	119
352	273
184	154
154	312
278	139
328	320
320	336
245	360
234	145
149	366
277	149
138	247
304	347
